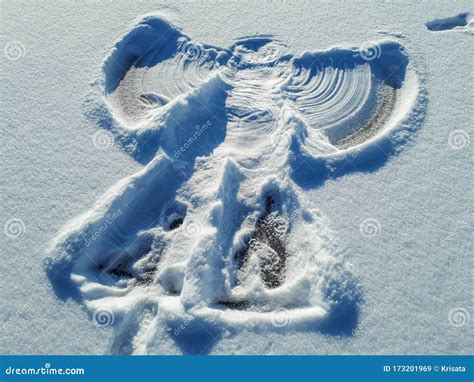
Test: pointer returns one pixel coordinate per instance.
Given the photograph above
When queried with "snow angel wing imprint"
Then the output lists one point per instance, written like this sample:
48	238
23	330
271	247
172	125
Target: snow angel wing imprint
218	225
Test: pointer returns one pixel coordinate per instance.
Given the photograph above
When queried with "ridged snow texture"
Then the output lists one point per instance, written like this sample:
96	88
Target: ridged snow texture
216	233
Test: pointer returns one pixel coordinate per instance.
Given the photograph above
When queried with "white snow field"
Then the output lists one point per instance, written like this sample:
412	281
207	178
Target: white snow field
208	177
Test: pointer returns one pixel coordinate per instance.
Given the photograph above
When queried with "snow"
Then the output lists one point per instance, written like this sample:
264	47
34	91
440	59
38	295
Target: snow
137	187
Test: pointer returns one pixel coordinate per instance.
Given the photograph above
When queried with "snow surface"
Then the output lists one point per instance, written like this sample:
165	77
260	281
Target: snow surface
139	187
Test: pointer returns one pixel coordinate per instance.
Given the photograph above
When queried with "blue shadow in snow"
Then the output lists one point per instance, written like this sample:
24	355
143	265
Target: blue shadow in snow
143	205
310	172
343	317
152	41
390	67
447	23
195	337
